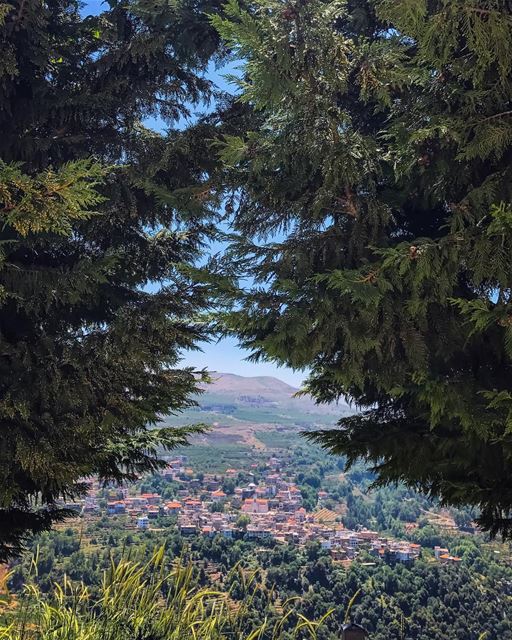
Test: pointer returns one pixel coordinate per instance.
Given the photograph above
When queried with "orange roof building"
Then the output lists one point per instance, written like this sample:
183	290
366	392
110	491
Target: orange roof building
255	505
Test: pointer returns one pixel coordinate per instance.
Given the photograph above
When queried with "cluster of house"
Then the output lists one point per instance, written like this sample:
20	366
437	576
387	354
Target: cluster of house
271	509
443	555
298	527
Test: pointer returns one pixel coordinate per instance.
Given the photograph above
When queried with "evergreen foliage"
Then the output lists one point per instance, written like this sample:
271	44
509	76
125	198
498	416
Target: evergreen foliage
103	220
373	208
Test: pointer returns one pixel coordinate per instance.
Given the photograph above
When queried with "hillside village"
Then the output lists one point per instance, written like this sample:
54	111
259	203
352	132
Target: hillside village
273	509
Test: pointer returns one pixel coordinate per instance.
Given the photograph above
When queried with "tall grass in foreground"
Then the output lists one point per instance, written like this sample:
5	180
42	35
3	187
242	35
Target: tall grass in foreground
144	601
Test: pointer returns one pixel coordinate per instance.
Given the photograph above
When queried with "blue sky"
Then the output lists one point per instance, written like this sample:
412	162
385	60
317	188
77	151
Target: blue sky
225	355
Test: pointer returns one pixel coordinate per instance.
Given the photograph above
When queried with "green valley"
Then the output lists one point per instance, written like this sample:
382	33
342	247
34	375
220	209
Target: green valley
254	498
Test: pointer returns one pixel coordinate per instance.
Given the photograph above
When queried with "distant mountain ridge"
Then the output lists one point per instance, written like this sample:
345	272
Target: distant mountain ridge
233	383
261	399
241	408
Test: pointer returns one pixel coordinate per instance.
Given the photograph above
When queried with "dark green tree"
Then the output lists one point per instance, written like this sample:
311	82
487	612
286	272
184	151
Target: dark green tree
103	219
373	203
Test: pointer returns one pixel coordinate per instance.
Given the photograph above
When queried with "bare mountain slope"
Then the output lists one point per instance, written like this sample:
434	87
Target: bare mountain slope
233	384
240	409
230	398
